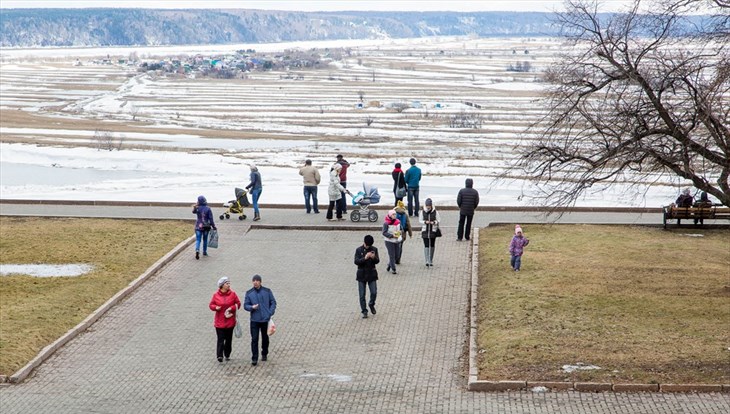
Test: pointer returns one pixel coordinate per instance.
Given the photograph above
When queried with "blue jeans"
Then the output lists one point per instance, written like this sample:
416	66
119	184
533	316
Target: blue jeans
516	261
263	328
200	234
311	191
413	197
255	194
373	286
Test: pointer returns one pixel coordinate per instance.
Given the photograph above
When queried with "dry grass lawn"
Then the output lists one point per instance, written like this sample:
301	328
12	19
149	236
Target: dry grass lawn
644	304
36	311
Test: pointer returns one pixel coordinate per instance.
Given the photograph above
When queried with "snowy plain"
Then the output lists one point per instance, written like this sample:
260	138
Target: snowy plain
181	137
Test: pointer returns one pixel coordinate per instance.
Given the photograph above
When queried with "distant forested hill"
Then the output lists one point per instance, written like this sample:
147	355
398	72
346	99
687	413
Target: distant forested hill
107	27
150	27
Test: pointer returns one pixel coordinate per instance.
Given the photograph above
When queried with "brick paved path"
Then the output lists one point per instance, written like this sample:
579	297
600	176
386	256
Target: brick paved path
155	351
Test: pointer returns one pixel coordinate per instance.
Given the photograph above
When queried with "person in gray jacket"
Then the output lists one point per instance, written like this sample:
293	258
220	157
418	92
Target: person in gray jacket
468	201
261	303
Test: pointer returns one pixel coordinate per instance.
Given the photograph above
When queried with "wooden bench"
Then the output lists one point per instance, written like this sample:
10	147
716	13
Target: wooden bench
697	214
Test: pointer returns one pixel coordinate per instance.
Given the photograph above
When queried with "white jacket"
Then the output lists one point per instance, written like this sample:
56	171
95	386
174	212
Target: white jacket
335	189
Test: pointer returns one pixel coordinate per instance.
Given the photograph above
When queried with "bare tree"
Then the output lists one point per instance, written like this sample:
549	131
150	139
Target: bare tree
369	120
361	95
641	99
400	106
104	140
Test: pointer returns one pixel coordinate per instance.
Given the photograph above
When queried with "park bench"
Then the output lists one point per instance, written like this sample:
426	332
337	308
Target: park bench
697	214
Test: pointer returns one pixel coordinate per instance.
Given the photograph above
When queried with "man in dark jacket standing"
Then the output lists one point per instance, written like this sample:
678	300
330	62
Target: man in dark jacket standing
343	180
261	303
467	200
366	257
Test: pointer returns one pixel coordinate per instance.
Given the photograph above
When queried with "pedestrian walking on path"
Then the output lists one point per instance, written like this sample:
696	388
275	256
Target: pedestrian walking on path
203	224
392	235
413	182
310	176
516	248
225	304
399	183
430	230
343	180
255	188
261	303
335	193
467	200
366	257
405	225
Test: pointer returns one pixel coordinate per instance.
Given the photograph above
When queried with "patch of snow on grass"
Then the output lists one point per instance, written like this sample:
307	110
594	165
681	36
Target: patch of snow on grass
45	270
579	366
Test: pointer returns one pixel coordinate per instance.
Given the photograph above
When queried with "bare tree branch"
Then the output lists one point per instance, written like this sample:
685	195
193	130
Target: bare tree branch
640	98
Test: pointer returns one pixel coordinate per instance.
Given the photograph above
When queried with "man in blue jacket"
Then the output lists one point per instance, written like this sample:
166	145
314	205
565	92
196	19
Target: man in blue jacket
261	303
413	179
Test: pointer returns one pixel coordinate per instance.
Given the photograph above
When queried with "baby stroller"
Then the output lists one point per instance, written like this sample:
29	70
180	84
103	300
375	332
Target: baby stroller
364	199
236	206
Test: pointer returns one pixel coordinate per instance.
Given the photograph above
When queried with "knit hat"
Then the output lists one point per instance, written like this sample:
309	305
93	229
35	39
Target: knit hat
222	281
429	202
255	278
518	229
391	213
254	168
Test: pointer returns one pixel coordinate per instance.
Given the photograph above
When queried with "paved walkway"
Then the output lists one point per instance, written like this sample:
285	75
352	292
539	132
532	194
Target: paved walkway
155	351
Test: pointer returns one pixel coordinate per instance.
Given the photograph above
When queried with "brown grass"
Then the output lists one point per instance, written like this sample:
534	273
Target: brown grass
645	305
36	311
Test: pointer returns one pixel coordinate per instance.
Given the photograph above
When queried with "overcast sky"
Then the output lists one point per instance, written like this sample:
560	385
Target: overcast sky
316	5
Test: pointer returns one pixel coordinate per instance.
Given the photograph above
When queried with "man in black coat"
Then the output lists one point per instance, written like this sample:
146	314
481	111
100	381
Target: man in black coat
366	257
467	200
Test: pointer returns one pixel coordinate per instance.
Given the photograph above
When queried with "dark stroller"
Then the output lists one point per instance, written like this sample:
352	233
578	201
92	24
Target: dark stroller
364	199
236	206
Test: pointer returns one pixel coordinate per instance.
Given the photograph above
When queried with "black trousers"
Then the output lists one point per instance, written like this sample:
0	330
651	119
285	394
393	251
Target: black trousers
461	231
263	329
223	347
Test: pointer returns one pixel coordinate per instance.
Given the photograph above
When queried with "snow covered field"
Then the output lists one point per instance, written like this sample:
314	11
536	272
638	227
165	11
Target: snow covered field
181	137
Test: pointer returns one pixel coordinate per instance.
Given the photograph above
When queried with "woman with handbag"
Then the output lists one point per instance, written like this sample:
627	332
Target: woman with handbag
430	230
399	183
224	303
203	224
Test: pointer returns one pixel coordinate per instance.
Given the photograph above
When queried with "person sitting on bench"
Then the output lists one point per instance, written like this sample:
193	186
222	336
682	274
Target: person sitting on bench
704	202
685	199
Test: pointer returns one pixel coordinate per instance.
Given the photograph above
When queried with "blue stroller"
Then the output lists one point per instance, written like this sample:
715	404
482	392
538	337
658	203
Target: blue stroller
364	199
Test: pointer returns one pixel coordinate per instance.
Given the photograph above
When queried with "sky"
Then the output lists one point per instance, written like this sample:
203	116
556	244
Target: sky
317	5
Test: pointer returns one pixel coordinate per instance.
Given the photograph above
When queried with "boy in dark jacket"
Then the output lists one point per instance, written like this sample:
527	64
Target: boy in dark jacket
366	257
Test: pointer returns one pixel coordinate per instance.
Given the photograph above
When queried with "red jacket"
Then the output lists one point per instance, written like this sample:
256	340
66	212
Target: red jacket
228	300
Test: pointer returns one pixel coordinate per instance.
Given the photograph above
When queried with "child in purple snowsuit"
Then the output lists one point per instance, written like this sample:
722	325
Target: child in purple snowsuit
516	247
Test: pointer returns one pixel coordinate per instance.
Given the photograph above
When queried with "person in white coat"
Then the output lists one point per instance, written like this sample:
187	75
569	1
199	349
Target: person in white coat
335	191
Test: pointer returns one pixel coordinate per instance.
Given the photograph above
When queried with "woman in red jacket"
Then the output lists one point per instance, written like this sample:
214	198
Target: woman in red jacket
224	303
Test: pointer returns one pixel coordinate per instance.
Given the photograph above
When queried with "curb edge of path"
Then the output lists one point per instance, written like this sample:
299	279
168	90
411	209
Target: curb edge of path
46	352
474	384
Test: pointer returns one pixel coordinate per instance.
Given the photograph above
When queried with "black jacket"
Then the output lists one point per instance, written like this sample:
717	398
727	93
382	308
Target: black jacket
366	271
467	200
399	179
